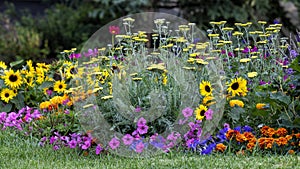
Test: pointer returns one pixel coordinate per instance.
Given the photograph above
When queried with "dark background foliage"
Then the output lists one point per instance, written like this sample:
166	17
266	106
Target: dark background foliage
41	29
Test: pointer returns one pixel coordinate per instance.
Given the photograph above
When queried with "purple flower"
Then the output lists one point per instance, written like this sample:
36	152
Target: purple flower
2	117
127	139
139	147
226	125
246	50
208	114
254	49
138	109
142	129
52	139
293	53
141	122
72	143
98	149
247	129
187	112
56	147
114	143
86	145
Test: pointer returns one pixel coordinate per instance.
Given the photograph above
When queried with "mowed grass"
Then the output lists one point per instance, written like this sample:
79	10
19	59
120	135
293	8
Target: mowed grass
17	152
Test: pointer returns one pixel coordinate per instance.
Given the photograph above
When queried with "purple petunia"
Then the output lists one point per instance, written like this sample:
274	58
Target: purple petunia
142	129
208	114
187	112
98	149
114	143
72	144
141	122
139	147
127	139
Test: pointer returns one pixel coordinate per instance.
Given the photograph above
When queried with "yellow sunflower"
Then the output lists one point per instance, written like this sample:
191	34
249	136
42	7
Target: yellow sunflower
3	65
43	66
7	94
238	86
200	112
205	88
60	86
70	72
13	79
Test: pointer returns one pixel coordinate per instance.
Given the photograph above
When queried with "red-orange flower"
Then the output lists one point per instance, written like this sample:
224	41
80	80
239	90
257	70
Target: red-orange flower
297	135
288	137
220	147
248	136
250	145
291	152
231	133
114	30
240	138
271	132
264	130
281	132
265	142
281	141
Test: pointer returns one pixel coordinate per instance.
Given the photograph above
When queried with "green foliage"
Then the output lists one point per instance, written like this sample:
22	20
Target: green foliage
18	42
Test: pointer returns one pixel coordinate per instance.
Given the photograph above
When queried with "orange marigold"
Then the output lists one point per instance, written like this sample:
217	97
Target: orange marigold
271	132
250	146
265	142
288	137
240	138
248	136
231	133
297	135
264	130
281	141
220	147
281	132
291	152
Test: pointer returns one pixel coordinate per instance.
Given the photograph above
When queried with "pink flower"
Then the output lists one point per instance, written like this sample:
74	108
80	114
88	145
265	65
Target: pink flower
208	114
114	30
143	129
114	143
127	139
187	112
138	109
141	122
139	147
72	144
98	149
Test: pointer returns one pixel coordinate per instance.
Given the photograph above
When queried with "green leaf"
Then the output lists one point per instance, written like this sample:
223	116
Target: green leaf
263	113
19	101
46	84
12	64
295	65
6	108
281	97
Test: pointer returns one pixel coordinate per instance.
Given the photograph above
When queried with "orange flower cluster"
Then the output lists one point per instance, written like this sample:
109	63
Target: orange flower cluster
270	138
279	136
246	137
54	102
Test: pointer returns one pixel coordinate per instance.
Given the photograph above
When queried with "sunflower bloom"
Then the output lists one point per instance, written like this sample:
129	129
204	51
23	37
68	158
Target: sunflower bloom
238	86
60	86
200	111
7	95
233	103
205	88
13	79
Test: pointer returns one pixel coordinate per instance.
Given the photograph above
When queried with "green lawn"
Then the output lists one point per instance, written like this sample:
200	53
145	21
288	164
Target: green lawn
16	152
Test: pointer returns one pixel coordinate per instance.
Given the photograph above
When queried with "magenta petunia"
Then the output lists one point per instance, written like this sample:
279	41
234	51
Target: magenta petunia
98	149
114	143
141	122
187	112
208	114
127	139
142	129
72	144
139	147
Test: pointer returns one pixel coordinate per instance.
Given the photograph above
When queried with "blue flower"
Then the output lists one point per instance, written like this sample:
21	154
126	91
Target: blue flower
238	128
208	149
247	129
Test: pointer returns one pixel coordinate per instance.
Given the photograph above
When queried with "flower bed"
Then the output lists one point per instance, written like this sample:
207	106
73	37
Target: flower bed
173	101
